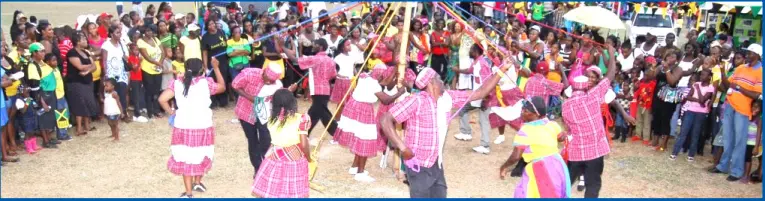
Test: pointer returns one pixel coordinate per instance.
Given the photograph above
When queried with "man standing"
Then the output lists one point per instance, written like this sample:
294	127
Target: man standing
426	116
479	69
745	86
321	69
588	144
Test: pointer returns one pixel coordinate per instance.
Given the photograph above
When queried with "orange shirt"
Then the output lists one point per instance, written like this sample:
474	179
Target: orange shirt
554	75
748	78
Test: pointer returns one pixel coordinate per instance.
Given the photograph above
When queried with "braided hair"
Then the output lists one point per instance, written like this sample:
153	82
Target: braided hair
284	106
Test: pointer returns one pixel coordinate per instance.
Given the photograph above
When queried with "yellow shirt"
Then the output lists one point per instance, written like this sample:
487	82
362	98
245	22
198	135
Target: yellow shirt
289	134
155	52
179	67
372	63
392	31
192	49
59	84
97	72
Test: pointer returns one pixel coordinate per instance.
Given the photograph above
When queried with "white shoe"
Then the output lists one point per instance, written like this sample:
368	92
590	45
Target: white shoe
234	121
353	170
500	139
332	142
481	149
140	119
363	177
464	137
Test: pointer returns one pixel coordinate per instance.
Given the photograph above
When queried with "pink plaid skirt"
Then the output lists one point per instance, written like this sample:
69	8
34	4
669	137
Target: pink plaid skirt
192	138
282	178
339	89
362	113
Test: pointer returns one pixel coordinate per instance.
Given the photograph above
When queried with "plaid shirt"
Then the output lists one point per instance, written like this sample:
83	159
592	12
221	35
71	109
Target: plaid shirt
583	116
538	85
321	71
250	80
419	113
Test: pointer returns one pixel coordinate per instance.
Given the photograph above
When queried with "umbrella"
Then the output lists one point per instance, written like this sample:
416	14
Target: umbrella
595	16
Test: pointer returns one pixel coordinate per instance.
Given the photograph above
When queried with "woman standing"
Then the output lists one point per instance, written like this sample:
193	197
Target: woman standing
214	45
192	144
463	56
666	97
420	50
284	172
79	82
114	56
166	37
151	57
346	61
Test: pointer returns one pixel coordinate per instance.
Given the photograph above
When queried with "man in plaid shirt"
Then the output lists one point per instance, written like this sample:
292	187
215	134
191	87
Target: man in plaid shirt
582	115
321	69
423	112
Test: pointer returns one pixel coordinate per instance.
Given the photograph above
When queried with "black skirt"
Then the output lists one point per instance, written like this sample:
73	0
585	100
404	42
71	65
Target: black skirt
47	120
81	100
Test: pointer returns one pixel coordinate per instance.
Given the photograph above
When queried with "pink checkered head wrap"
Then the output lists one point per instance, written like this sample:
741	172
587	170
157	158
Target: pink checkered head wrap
378	72
423	79
596	70
274	72
580	83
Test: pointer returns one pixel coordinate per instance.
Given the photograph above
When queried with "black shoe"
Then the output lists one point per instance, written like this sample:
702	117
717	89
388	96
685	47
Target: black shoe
54	141
184	195
714	170
406	182
50	146
200	188
754	177
732	178
580	188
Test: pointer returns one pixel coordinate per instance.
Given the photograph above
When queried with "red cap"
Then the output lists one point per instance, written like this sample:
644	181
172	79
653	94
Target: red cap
105	15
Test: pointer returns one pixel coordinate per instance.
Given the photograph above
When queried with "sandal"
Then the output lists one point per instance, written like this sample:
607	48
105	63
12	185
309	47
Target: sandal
92	129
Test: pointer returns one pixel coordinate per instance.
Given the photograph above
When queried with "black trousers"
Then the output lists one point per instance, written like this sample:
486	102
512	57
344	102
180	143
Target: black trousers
439	64
319	111
428	183
592	170
152	85
258	142
221	100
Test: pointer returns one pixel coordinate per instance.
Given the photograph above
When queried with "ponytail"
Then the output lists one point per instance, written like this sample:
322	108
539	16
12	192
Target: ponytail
193	67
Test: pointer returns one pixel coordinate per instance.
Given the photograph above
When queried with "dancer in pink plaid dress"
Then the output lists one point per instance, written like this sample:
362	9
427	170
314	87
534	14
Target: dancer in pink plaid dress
193	138
357	127
503	104
284	172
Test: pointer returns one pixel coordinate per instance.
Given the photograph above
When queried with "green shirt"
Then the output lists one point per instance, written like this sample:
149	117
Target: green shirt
170	41
242	44
537	12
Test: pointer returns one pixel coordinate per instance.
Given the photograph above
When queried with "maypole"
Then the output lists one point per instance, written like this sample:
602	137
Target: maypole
403	45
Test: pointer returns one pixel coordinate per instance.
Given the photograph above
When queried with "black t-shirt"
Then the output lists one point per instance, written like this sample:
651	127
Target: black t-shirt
73	74
215	44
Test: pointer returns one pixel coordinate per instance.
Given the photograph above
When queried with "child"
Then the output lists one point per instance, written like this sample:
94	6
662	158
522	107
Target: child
284	172
178	65
112	107
753	142
546	175
136	86
27	119
644	98
698	103
623	97
167	69
61	107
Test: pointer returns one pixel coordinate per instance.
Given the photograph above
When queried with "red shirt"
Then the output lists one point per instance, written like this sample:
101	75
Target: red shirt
443	49
135	74
103	32
64	46
644	93
538	85
322	71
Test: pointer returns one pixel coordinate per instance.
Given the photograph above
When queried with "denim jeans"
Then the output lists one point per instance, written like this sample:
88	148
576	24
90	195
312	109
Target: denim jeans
673	122
483	119
692	124
734	129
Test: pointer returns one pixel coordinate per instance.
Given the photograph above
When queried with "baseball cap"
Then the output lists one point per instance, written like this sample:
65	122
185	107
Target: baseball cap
35	47
179	16
193	27
104	14
756	48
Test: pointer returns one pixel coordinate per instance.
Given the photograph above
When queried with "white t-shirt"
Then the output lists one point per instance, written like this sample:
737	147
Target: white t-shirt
115	66
346	63
332	44
626	62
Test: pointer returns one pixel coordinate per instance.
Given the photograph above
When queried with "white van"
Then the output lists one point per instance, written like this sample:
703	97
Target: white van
654	23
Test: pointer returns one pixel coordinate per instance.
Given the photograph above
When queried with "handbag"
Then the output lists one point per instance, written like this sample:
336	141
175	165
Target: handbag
126	65
669	94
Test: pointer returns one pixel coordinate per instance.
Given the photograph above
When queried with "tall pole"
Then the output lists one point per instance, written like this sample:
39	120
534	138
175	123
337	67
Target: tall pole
402	68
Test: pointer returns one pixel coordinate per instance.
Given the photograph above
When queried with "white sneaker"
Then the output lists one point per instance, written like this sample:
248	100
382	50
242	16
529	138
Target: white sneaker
333	142
140	119
363	177
481	149
464	137
353	170
234	121
500	139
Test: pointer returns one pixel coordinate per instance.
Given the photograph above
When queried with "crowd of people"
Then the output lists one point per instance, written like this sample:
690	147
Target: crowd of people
520	65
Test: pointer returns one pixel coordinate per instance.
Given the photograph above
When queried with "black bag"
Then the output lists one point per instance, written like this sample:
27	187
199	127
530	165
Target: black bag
125	63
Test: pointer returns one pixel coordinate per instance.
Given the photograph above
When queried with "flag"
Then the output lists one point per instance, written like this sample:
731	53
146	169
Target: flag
637	8
663	12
